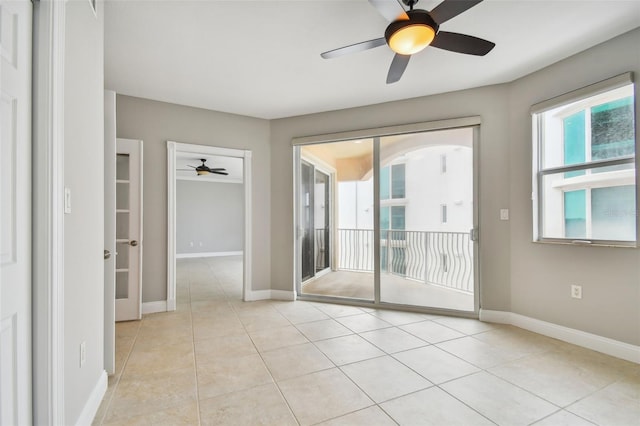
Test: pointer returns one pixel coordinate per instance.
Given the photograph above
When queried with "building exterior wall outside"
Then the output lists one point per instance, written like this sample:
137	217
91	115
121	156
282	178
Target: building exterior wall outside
427	188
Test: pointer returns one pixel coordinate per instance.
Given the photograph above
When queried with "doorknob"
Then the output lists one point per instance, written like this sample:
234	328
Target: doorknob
133	243
107	254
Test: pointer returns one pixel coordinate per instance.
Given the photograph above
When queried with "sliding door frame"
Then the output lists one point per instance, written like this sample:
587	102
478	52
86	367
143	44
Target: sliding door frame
376	134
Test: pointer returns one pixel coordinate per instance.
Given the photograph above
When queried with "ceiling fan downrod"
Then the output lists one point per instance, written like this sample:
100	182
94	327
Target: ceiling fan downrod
410	3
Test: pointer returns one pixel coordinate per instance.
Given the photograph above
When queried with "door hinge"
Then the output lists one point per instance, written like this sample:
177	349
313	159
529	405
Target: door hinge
473	234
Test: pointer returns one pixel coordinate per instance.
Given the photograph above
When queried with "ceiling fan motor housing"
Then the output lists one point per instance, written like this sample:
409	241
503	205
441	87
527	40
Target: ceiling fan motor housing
419	30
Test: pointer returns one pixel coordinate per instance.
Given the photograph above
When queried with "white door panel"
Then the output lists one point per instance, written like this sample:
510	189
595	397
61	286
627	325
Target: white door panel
15	212
128	229
109	230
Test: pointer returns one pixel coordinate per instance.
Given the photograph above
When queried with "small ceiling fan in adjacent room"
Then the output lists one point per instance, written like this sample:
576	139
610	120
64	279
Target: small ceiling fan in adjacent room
412	31
203	169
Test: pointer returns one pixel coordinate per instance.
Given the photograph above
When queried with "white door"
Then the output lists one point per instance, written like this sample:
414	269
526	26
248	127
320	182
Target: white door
128	229
109	231
15	212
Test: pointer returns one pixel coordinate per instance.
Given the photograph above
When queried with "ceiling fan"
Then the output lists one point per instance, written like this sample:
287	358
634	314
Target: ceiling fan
411	31
203	169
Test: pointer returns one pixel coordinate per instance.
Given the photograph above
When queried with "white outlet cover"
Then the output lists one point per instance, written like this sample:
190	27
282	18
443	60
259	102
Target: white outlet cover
576	291
504	214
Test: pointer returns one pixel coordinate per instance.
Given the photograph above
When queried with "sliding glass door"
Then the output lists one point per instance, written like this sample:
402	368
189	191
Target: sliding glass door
426	216
403	217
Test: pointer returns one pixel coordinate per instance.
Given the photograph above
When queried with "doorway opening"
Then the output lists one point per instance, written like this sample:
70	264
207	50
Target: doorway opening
208	220
402	212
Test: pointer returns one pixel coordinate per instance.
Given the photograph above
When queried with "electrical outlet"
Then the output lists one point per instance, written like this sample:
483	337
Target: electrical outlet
83	353
576	291
504	214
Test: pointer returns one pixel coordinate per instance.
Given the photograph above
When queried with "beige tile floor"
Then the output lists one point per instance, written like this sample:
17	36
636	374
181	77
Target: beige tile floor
218	360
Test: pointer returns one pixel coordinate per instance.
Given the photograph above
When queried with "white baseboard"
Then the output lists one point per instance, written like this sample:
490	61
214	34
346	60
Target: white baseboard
208	254
253	296
153	307
577	337
93	403
283	295
171	305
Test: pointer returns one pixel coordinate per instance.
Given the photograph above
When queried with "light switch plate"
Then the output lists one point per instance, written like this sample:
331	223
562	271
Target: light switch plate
67	200
504	214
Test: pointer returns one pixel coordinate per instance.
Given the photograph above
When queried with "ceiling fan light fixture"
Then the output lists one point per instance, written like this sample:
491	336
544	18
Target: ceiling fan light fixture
202	172
407	37
411	39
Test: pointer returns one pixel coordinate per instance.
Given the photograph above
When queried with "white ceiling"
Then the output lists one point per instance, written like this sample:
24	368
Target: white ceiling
262	58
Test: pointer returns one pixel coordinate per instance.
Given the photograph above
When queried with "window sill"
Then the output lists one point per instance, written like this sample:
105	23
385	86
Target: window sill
587	243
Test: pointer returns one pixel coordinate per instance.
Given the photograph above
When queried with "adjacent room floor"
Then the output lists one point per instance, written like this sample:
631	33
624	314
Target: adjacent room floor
218	360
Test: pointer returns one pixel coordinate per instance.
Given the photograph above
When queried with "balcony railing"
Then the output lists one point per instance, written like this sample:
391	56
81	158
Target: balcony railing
438	258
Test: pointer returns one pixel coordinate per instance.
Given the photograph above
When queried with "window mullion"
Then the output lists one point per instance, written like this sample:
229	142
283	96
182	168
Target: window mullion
588	214
586	166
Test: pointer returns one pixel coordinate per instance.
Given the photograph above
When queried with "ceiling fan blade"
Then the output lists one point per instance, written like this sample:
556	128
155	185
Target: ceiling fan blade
193	167
462	43
392	10
398	65
353	48
450	9
219	173
218	169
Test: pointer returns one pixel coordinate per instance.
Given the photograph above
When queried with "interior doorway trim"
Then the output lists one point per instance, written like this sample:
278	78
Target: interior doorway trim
173	148
48	356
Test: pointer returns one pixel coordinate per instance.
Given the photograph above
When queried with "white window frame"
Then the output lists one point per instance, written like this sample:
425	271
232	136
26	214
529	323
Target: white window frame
604	91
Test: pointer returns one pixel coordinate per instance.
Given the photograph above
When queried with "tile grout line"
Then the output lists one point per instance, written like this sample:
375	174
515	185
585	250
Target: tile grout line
275	382
122	371
195	359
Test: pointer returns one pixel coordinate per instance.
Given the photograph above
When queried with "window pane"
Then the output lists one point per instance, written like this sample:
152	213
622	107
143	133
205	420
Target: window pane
612	129
600	204
384	217
397	217
574	151
397	181
595	128
613	213
384	183
575	214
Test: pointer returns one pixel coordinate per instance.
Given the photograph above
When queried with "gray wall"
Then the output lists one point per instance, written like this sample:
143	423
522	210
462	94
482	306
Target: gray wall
209	215
516	274
155	123
542	273
83	228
